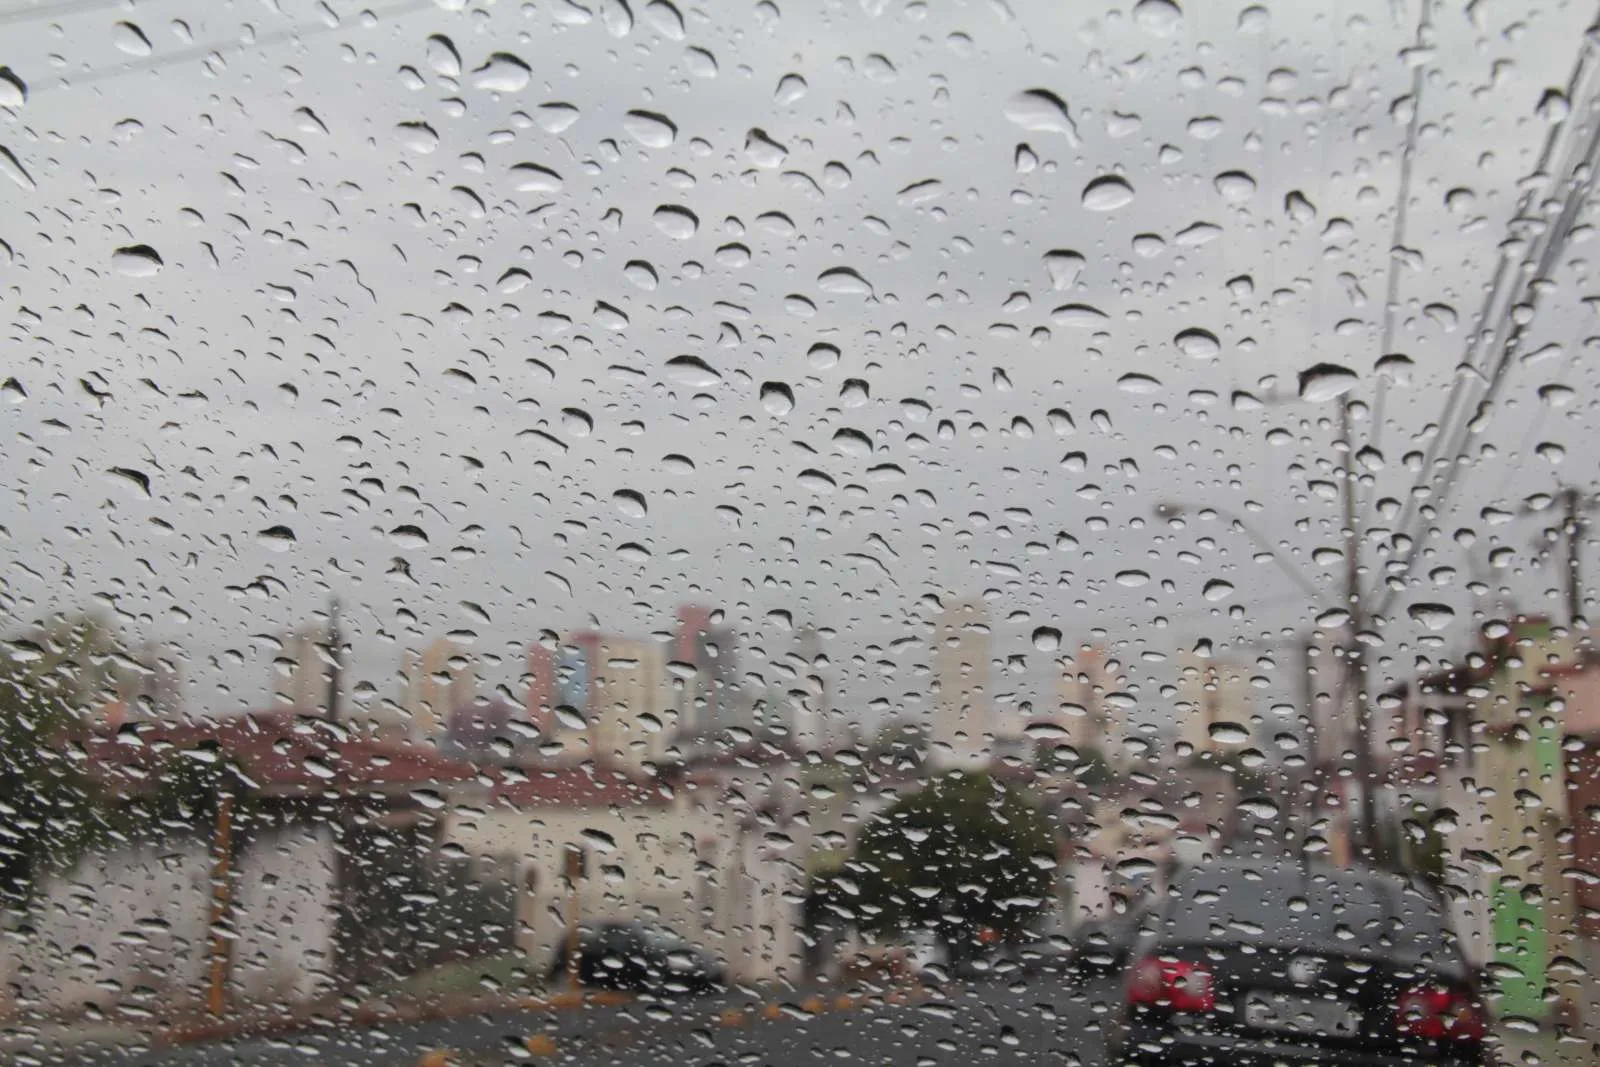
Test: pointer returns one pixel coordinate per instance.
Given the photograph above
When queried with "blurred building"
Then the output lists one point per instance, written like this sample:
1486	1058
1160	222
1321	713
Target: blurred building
1083	716
1215	705
302	671
438	680
541	700
711	649
614	703
962	714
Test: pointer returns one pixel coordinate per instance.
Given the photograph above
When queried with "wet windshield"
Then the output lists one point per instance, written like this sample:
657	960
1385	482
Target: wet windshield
860	494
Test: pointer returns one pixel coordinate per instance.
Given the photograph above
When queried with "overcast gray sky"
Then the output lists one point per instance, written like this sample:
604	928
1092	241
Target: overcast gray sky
398	294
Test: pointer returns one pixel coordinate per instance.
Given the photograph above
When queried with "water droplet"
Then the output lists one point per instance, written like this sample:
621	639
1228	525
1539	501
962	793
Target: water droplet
762	150
136	261
791	87
1197	343
1078	316
13	90
418	137
1324	381
502	72
777	398
513	280
409	536
1132	579
1198	234
852	442
816	481
1432	616
677	463
532	178
641	274
844	281
692	371
576	422
555	117
676	222
1298	207
1046	638
630	503
1158	17
443	57
1138	384
1235	186
130	39
612	318
822	355
1217	589
13	169
1107	193
1553	106
1064	267
277	538
1229	733
1041	111
650	129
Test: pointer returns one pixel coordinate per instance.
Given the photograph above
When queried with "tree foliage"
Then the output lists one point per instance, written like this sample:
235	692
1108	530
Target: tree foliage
962	854
50	810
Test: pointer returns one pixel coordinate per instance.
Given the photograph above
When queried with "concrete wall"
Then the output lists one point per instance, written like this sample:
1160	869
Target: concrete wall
689	869
132	924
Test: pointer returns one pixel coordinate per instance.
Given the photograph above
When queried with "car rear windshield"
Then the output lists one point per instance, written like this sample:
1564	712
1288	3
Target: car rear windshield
1335	912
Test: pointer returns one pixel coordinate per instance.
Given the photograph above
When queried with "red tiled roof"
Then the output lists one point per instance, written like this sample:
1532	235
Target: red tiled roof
574	787
281	752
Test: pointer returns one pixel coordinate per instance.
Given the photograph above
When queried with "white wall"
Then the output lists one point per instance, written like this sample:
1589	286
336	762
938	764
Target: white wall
685	868
138	916
284	915
135	916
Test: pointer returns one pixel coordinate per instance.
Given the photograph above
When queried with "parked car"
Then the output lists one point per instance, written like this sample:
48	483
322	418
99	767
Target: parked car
1258	963
1100	947
639	957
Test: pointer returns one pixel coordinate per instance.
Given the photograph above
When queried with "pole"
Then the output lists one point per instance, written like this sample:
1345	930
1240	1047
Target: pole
221	900
1355	654
335	656
575	864
1575	528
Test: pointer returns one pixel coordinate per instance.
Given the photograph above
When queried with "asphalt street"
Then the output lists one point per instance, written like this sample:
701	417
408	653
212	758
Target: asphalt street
1040	1021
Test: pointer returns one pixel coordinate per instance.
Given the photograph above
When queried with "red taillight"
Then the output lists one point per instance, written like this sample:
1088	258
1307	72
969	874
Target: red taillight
1435	1014
1175	984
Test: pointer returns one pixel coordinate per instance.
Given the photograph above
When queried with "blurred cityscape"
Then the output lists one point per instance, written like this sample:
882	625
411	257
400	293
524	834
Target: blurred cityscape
316	850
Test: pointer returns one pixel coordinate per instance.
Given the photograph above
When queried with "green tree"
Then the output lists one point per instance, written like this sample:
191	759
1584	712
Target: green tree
962	854
50	810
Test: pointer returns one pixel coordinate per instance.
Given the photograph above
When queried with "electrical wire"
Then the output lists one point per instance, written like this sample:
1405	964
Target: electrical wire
217	48
1558	234
1397	234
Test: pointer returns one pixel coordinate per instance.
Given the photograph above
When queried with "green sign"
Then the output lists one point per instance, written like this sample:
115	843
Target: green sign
1519	944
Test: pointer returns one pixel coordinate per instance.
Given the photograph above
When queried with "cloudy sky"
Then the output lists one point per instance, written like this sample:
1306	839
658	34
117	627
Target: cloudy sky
495	318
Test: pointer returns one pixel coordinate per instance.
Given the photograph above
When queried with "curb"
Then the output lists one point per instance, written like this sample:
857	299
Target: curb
540	1045
372	1015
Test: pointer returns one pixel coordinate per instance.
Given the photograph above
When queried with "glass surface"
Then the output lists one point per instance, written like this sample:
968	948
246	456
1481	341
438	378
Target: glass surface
859	494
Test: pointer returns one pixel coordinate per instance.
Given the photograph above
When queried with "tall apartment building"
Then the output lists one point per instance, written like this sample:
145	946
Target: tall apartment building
962	711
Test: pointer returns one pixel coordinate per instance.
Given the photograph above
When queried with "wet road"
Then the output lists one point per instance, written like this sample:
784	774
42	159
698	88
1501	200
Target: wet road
1040	1021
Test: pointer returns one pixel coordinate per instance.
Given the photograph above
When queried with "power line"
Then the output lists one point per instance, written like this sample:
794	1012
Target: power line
1397	235
1454	402
50	11
1558	233
218	48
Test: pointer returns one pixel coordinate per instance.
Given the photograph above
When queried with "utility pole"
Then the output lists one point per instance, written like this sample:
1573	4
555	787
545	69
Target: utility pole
1574	527
336	660
1355	652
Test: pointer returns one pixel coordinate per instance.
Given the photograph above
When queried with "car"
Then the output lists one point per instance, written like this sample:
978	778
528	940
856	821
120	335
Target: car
1278	962
638	957
1099	947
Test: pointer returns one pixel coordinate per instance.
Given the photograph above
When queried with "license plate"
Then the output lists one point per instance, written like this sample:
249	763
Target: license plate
1307	1015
